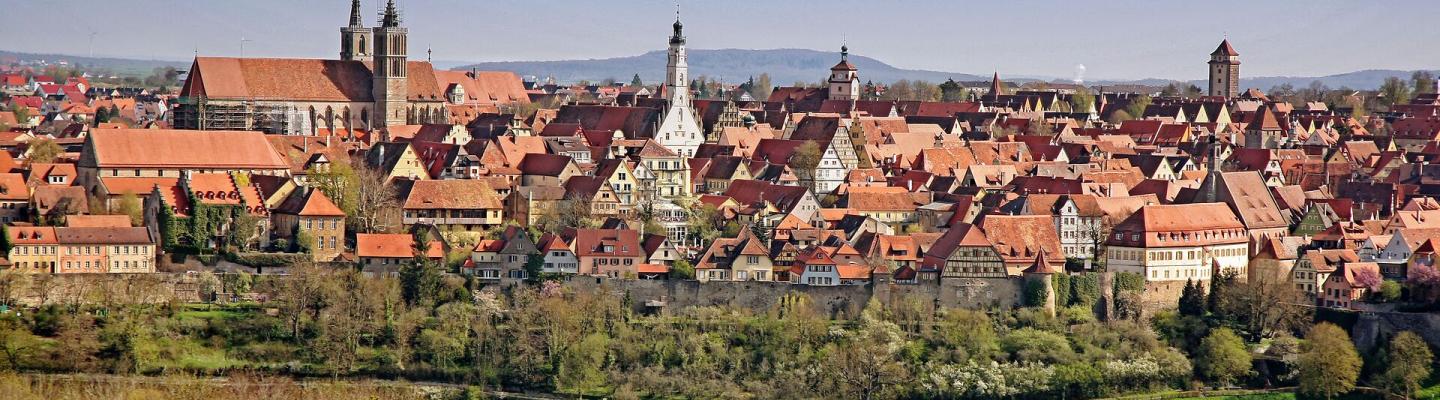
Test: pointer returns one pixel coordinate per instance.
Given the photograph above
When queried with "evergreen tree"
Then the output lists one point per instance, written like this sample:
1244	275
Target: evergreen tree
1192	299
5	242
951	91
635	81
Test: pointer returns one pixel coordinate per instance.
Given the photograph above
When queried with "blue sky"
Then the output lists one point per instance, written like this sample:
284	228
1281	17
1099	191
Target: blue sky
1113	39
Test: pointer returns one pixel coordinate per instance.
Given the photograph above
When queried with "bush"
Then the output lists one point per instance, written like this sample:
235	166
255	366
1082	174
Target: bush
266	259
1034	345
1035	293
1084	290
1389	291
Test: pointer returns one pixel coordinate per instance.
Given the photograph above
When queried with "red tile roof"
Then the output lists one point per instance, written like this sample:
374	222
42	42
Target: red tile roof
384	245
164	148
299	79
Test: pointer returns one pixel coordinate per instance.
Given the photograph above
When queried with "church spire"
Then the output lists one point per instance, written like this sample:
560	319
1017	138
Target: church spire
996	88
355	14
391	18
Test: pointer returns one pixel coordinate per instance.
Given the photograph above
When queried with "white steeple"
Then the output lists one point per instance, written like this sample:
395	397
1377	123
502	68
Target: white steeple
679	132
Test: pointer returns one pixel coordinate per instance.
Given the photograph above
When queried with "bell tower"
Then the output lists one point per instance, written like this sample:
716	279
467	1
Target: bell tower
1224	71
390	85
354	38
844	80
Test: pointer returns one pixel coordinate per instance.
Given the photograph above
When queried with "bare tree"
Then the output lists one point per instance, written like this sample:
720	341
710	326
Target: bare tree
377	207
1265	304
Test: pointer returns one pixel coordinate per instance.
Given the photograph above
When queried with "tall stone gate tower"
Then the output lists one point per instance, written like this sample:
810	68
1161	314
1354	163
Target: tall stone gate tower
390	85
355	39
1225	71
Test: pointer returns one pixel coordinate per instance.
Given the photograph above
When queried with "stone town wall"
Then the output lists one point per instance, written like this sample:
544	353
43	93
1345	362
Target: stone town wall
33	290
675	295
834	301
1374	329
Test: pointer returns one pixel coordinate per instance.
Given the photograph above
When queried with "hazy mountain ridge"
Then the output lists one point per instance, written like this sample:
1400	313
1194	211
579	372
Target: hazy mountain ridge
122	66
785	66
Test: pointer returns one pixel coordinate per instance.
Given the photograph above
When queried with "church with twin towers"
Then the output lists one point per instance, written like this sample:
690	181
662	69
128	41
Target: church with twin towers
373	85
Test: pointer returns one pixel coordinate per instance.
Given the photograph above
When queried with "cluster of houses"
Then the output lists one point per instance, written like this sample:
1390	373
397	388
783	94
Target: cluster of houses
819	186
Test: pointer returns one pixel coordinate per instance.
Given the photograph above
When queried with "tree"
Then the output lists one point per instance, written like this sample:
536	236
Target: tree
951	91
1223	357
1119	116
1423	82
22	113
1082	100
1192	299
376	205
5	242
1394	91
1407	363
1328	362
533	266
635	81
573	212
44	150
130	205
761	89
1263	305
420	280
1137	106
682	270
970	333
102	115
866	366
805	160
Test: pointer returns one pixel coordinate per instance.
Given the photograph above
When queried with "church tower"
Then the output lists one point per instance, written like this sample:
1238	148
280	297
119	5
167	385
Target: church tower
1225	71
355	39
679	131
844	80
390	84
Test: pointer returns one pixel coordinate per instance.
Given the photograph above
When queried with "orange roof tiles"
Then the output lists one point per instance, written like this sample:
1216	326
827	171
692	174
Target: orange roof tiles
465	194
384	245
166	148
299	79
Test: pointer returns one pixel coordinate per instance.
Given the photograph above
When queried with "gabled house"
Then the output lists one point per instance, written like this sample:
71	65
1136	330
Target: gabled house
743	258
607	252
310	215
464	204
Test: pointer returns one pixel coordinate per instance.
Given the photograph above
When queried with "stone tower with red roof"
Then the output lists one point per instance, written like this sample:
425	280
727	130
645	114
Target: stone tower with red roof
1224	71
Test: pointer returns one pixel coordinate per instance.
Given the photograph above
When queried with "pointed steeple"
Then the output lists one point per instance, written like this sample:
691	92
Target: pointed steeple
1041	265
1225	49
355	14
391	18
996	88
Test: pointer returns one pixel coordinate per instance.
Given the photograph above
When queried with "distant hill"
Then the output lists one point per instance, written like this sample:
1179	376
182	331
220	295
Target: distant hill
1369	79
1360	80
785	66
121	66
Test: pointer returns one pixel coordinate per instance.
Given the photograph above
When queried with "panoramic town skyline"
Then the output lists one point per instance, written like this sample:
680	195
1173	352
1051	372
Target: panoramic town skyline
1124	43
